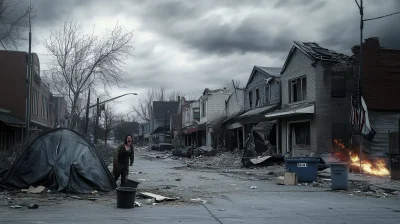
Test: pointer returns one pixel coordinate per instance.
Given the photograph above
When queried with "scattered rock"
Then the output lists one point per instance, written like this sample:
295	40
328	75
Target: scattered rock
15	206
178	179
33	206
254	187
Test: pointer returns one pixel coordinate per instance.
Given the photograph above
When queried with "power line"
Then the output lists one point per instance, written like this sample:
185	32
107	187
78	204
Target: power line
382	16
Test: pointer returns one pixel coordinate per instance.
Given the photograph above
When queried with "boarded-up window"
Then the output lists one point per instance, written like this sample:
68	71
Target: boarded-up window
338	86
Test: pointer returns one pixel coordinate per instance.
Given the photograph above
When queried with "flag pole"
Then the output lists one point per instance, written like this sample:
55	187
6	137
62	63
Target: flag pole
359	78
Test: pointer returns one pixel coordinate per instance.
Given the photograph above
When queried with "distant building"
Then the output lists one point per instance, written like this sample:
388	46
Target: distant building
13	92
160	114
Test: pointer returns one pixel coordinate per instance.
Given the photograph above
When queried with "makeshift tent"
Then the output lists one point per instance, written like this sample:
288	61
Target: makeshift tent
62	160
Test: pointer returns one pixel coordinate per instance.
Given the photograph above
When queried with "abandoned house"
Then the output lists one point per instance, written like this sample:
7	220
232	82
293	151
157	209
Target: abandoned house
234	131
316	85
212	113
47	111
261	95
191	129
380	91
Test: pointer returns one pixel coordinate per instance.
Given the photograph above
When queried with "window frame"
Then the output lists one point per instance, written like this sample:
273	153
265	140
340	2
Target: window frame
258	100
250	95
267	90
303	84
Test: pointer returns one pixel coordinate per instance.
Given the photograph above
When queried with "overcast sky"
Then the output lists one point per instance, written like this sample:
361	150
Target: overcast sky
192	45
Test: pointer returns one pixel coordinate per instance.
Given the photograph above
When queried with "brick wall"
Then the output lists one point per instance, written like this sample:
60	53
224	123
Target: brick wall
332	113
12	82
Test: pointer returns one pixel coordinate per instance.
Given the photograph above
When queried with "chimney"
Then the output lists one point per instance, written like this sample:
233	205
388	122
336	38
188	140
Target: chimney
372	43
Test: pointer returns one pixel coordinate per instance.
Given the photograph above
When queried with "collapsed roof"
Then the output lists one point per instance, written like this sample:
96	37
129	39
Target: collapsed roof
61	160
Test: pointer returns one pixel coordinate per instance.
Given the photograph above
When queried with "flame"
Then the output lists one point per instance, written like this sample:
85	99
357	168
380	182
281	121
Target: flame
377	168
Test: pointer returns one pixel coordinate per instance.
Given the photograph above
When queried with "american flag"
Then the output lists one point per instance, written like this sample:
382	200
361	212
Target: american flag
359	117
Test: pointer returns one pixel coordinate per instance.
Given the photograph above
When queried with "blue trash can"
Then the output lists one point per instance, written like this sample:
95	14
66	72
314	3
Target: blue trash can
305	167
339	176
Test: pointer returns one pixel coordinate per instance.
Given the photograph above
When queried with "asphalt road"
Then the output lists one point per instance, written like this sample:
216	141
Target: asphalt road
229	199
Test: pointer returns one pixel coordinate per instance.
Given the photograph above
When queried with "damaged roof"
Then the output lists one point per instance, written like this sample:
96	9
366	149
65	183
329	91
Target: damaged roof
266	71
207	91
316	53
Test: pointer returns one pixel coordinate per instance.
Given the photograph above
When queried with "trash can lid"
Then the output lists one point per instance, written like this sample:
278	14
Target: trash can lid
303	159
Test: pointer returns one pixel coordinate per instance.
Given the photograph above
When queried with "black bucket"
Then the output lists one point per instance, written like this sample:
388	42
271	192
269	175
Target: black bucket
130	183
126	197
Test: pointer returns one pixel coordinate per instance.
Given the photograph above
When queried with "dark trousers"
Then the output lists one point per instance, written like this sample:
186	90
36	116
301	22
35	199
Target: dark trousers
122	171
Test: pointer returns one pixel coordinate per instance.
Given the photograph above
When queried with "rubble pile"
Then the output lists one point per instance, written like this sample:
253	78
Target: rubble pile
222	160
360	188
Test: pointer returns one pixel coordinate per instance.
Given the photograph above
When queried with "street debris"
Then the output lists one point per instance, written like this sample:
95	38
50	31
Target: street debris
34	190
138	204
198	200
254	187
226	160
33	206
157	198
15	206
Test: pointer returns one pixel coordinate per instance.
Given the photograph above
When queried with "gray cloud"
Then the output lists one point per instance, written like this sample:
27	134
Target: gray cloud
192	45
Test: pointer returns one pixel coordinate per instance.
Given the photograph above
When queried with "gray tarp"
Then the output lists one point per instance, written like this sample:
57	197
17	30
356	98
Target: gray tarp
61	160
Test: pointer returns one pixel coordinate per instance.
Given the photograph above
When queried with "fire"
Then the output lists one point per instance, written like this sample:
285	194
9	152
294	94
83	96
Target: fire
378	169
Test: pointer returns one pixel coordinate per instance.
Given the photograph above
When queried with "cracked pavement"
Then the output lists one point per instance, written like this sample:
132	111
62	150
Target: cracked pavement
228	195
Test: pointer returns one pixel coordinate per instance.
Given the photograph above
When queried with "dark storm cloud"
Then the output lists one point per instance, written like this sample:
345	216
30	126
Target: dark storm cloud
249	36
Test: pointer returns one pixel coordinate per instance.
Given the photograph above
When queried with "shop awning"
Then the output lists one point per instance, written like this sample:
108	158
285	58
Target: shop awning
10	120
299	109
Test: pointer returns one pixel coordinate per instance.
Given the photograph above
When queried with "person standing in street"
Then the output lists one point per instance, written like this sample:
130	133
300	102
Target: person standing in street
123	157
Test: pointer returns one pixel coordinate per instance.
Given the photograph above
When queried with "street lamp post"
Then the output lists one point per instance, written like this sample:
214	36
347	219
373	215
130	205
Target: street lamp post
98	111
165	126
360	70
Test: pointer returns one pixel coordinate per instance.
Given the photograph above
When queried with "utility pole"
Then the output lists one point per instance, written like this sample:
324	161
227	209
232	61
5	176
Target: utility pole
87	113
165	126
361	64
97	121
360	70
29	83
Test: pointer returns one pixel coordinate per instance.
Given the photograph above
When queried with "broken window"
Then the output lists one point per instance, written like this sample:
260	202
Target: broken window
196	113
267	94
338	86
302	133
297	90
35	101
203	109
257	98
251	99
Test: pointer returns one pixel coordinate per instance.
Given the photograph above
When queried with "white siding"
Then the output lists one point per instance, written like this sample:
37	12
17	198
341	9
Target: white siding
216	106
235	102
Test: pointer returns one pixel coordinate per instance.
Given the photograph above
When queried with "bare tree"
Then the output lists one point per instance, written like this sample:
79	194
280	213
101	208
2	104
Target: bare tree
14	21
80	60
232	84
